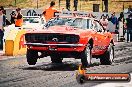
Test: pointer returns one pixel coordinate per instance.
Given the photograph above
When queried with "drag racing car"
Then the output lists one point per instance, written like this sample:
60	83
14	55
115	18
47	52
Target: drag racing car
70	37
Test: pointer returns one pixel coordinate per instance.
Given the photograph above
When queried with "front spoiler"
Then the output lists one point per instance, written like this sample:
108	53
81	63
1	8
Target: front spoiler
41	44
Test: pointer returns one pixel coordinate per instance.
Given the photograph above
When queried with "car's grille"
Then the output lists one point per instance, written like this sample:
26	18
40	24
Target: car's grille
50	37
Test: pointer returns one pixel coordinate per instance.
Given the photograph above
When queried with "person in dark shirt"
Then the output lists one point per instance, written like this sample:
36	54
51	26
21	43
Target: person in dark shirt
129	27
68	5
114	21
121	28
13	17
19	18
121	18
75	4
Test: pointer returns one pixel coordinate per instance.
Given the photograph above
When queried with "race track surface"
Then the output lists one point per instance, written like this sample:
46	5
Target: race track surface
15	72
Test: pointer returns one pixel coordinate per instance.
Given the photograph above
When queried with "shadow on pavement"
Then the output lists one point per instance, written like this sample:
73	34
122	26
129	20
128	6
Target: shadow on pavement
53	67
57	67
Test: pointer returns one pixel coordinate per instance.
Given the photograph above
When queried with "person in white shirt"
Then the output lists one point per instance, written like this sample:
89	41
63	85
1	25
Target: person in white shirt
104	22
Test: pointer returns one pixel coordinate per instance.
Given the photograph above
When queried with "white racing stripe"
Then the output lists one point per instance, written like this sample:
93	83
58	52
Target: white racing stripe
116	84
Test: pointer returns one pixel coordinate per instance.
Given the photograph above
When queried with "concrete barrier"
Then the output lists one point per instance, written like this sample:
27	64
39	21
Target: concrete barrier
14	43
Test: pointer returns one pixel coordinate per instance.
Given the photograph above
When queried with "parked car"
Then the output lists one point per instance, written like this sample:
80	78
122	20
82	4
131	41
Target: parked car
30	22
70	37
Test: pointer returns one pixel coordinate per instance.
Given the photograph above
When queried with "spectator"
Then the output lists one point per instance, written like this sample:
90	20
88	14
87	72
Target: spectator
68	5
107	16
43	17
129	27
121	21
13	15
102	16
50	12
104	23
4	11
114	21
2	24
75	5
19	18
129	9
121	18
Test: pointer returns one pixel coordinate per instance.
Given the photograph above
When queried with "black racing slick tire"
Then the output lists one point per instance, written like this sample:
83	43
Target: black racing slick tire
56	59
86	56
31	57
108	57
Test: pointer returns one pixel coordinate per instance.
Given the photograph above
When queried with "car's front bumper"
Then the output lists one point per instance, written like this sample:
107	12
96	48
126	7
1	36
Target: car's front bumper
41	44
55	47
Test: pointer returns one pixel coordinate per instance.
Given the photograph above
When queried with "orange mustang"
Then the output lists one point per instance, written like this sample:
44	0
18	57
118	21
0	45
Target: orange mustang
70	37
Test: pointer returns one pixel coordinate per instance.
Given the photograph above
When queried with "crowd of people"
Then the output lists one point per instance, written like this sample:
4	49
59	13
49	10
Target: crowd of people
75	2
48	13
16	18
121	25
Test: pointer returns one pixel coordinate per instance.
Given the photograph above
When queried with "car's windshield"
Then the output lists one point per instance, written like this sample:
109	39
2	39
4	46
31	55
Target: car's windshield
31	19
74	22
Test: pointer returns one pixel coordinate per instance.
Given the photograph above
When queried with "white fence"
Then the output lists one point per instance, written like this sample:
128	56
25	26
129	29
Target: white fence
33	12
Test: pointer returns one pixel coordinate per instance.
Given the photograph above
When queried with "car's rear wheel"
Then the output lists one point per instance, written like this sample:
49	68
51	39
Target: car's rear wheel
31	57
86	56
108	57
56	58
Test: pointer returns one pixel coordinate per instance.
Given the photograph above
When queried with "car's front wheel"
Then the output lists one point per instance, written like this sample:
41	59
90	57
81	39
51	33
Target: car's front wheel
86	56
108	57
31	57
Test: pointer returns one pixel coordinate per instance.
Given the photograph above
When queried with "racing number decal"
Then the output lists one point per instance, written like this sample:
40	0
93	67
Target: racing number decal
21	42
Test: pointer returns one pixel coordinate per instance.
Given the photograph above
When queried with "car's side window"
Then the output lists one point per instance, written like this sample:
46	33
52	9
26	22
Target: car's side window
97	26
78	23
42	21
88	23
81	23
84	24
100	28
91	23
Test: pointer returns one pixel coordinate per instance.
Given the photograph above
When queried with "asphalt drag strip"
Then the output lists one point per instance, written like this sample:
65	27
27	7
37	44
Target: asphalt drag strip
15	72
